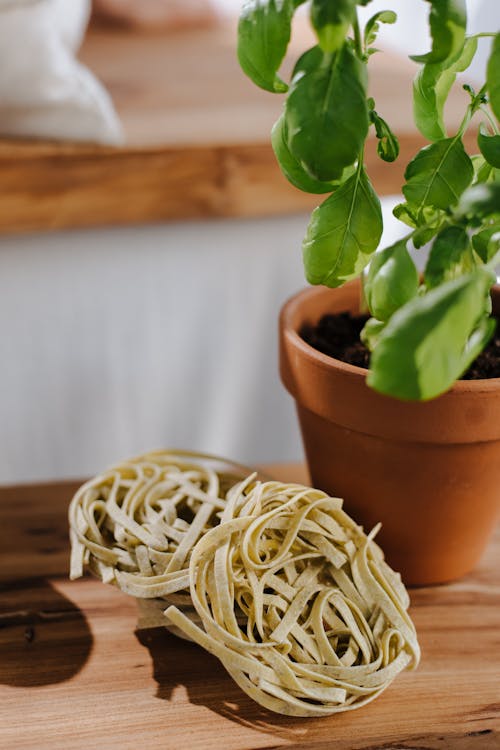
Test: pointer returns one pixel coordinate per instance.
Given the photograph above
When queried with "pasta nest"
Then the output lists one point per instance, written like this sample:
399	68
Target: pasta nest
274	579
326	623
135	524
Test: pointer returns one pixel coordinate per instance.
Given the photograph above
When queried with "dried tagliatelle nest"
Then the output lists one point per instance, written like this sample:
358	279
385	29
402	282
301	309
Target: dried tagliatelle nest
275	579
135	524
326	629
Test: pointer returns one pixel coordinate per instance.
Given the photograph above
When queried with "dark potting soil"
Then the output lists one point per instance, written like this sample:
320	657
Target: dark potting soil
338	336
487	365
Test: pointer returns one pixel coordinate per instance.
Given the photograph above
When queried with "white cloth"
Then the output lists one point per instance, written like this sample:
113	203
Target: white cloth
44	91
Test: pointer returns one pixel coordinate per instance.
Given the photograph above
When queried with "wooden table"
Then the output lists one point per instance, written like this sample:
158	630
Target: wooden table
74	673
197	137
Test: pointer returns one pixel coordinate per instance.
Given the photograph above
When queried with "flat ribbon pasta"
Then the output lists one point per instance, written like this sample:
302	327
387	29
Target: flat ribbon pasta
325	626
274	579
135	524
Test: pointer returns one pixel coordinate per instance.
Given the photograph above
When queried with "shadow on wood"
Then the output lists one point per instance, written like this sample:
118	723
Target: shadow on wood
177	662
37	626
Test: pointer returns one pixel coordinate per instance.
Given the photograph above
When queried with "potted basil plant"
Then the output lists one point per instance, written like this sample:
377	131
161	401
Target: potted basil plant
406	441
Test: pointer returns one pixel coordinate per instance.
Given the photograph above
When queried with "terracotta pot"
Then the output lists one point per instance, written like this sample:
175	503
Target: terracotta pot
430	472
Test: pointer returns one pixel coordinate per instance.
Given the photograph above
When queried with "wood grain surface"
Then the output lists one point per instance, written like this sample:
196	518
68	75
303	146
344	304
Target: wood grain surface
75	673
81	186
197	138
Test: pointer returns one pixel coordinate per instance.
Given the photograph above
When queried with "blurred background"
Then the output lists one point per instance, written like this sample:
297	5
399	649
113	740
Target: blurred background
147	238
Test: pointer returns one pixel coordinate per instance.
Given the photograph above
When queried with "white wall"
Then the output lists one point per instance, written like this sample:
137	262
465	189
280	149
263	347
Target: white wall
122	340
118	341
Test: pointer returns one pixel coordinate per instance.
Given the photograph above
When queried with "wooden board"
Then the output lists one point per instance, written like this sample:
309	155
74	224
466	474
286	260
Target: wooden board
197	138
74	673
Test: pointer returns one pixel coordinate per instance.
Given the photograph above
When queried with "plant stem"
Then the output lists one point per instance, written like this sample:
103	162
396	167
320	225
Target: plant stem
466	120
363	302
477	100
492	122
358	41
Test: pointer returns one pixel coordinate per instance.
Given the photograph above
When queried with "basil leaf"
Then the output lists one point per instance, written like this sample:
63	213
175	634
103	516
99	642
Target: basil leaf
264	31
343	233
431	88
392	281
404	213
326	111
371	332
426	226
291	168
493	76
482	170
486	243
388	144
438	175
448	21
373	24
434	221
480	200
489	145
450	257
423	235
331	21
431	341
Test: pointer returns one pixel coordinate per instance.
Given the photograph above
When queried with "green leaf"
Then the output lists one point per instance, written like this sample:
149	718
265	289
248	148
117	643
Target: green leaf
404	213
426	225
482	170
371	332
486	242
433	221
425	229
489	145
438	175
450	257
493	76
326	111
291	168
423	235
264	31
388	144
448	21
331	21
480	200
432	340
343	233
431	88
392	281
373	24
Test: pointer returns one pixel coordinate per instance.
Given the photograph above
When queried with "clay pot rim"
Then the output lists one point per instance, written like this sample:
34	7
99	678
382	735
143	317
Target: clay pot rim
289	312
